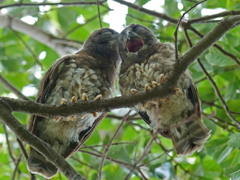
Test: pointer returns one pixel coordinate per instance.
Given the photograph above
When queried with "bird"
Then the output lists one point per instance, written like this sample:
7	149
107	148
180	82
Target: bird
89	74
146	64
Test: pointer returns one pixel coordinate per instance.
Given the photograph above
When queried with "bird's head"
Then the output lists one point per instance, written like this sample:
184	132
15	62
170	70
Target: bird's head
102	41
135	41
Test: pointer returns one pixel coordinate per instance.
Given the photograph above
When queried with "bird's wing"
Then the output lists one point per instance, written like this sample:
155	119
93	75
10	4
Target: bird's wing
46	85
192	94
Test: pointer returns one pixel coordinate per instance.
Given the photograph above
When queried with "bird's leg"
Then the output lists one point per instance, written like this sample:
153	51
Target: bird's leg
98	97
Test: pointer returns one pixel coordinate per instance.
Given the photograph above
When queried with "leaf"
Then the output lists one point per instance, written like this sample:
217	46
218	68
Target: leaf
216	58
233	172
234	141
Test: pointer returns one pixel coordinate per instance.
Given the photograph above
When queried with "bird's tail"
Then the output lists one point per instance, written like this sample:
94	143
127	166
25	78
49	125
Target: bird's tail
37	164
189	137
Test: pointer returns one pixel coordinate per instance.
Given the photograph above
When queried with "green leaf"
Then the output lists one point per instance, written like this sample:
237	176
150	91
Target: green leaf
215	58
233	172
234	141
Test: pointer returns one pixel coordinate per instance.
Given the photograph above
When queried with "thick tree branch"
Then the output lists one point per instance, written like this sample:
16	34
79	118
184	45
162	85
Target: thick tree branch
166	89
35	33
8	119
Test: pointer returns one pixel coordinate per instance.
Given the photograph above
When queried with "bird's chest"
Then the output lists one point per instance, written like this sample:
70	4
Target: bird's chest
134	78
70	85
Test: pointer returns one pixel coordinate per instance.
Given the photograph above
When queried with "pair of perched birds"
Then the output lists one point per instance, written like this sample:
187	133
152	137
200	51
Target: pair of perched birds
90	74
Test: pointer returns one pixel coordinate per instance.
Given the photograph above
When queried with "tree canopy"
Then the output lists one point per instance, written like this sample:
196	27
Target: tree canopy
34	34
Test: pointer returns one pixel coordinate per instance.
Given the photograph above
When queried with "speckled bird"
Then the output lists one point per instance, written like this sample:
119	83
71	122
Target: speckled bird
146	63
89	74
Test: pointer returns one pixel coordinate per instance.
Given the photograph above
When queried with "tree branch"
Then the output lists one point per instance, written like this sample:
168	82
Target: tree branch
106	105
147	11
12	88
8	119
35	33
50	4
109	144
214	85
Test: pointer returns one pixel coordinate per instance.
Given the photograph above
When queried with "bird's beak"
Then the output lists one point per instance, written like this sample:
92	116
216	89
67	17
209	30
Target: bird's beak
132	35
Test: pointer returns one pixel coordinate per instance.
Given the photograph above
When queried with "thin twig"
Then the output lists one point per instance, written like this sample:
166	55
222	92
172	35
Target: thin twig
116	144
16	166
23	150
109	144
233	57
178	24
81	162
147	11
214	85
80	25
221	14
28	48
12	88
50	4
145	153
99	14
108	158
8	144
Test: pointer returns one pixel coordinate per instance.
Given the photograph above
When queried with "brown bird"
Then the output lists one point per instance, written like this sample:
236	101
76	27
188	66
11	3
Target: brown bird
146	63
90	74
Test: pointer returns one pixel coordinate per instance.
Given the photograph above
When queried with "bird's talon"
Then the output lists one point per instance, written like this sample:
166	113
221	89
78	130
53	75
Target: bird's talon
57	119
177	90
98	97
155	84
134	91
72	118
147	87
64	101
73	99
84	97
83	116
162	77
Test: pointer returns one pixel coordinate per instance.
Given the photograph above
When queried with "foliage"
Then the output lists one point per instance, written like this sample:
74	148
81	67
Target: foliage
23	61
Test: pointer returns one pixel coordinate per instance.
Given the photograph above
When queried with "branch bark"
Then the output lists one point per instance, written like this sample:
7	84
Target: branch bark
7	118
35	33
118	102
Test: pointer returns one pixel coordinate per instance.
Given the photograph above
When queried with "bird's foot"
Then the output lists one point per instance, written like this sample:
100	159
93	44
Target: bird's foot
155	84
98	97
162	78
84	97
134	91
147	87
57	119
64	101
178	91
